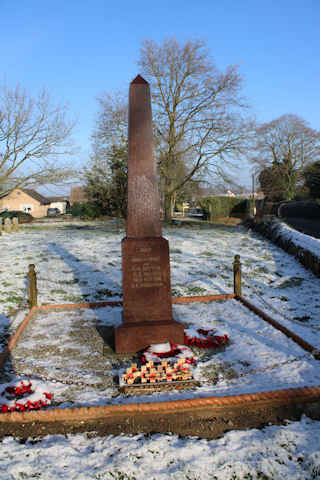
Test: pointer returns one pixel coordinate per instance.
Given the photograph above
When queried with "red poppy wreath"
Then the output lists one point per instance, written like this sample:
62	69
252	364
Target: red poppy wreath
21	396
200	338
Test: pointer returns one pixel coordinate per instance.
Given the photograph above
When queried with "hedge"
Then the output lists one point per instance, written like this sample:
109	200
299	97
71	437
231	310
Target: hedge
300	209
218	207
85	210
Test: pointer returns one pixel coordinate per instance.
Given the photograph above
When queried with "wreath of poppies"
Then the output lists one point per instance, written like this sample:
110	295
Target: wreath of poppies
21	397
205	339
199	338
176	351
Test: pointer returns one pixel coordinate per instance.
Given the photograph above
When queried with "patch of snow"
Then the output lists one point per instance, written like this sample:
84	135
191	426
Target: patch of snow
274	452
305	241
84	264
160	347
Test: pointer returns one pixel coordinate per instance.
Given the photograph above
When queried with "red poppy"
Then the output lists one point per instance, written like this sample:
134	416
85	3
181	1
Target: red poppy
17	393
211	341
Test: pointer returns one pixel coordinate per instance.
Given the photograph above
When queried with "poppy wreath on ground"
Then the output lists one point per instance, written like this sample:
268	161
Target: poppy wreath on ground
20	397
168	351
204	338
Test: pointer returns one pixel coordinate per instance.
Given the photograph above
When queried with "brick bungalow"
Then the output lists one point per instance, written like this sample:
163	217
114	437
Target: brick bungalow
25	200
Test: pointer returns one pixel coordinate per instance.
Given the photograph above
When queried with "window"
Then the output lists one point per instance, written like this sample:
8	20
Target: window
26	207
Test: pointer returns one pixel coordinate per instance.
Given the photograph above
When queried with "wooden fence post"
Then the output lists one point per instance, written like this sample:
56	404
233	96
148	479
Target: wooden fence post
237	276
32	290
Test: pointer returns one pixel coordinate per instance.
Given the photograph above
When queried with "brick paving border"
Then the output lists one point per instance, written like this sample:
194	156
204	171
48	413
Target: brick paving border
119	416
115	412
15	337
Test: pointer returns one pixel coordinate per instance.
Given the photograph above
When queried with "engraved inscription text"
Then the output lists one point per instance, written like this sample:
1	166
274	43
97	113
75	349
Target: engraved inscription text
145	270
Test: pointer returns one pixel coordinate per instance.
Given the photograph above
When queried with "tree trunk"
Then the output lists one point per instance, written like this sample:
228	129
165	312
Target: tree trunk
291	186
168	206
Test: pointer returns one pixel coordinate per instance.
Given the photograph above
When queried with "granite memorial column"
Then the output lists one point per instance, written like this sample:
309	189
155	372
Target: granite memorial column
147	304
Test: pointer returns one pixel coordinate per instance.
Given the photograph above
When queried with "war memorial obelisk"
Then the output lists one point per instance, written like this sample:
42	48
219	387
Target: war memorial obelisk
147	305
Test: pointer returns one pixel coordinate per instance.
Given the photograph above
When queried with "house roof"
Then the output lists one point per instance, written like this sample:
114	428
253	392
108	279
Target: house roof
36	196
58	199
40	198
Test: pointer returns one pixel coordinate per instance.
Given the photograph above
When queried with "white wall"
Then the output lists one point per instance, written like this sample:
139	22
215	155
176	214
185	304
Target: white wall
61	205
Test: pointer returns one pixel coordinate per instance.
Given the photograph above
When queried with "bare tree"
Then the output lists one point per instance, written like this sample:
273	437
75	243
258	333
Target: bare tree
33	135
273	183
197	112
110	150
106	175
287	144
111	126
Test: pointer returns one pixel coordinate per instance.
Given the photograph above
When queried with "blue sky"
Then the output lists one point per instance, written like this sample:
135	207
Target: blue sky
78	49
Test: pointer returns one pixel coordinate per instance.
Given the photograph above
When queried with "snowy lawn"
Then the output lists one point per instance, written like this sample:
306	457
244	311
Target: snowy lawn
64	349
288	452
81	262
77	263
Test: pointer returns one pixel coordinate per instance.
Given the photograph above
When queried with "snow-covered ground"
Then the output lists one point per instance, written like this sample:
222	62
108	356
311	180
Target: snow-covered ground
279	453
64	349
305	241
77	263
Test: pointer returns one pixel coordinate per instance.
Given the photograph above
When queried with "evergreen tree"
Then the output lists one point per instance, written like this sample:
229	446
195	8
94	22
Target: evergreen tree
311	175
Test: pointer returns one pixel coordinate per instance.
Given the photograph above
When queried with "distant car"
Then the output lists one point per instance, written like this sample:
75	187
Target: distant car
23	217
196	213
53	212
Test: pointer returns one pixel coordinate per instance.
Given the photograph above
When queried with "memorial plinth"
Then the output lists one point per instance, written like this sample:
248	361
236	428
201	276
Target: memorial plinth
147	305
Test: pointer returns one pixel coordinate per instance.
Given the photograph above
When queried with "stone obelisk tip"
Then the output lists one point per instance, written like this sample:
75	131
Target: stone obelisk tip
139	79
143	218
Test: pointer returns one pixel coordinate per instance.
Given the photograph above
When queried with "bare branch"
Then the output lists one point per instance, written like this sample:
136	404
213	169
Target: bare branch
195	111
33	135
286	144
